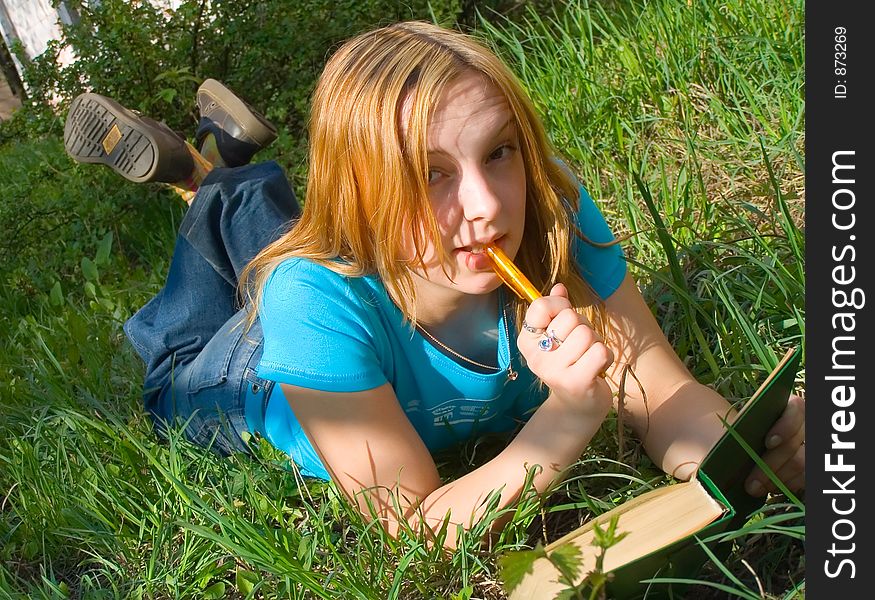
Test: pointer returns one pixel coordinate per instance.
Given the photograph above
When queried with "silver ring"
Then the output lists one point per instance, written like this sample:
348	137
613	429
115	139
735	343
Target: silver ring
555	337
535	330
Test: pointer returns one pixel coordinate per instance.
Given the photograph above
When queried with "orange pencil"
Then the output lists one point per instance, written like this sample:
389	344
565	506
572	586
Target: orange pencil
510	275
514	278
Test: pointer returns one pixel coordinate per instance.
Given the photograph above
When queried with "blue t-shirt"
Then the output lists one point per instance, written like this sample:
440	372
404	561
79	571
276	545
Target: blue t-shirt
335	333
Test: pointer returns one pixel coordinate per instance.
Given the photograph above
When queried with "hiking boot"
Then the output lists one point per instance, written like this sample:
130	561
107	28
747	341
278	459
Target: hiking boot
140	149
239	129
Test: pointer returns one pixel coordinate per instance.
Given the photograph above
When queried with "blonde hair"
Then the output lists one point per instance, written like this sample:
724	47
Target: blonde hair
366	187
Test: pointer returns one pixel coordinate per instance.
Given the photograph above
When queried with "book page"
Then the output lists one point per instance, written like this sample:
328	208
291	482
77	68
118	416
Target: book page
652	520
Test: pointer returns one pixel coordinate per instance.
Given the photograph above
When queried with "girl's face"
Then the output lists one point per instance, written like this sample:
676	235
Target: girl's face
476	185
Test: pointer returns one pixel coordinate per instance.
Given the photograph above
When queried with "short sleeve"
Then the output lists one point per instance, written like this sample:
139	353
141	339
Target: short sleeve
318	331
603	268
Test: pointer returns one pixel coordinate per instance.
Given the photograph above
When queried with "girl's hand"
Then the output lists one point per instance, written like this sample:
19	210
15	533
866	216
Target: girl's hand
572	368
785	452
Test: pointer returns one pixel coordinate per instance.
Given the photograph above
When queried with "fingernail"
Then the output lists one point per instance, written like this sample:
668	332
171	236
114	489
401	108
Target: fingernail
774	441
754	488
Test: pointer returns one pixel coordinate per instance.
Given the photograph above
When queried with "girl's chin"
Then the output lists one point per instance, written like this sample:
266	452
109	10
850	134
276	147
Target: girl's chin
480	283
473	275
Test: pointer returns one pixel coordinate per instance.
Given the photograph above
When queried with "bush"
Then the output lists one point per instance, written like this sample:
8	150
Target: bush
152	59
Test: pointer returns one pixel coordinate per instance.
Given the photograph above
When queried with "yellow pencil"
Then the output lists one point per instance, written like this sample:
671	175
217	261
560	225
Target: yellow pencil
514	278
510	275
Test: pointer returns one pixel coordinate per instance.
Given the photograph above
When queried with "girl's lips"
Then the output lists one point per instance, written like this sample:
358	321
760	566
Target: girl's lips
476	261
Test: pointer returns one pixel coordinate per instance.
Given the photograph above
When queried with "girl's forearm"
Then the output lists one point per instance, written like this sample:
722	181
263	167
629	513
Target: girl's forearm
552	439
683	428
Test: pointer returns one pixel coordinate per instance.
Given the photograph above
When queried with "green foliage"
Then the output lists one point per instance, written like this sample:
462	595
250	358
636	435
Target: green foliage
152	59
567	560
516	565
684	119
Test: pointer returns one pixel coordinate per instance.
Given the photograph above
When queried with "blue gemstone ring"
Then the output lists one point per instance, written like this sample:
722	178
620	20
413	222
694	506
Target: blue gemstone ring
547	343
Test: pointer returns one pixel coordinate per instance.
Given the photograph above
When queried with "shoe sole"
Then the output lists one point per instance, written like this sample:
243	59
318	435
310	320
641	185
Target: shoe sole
99	130
256	129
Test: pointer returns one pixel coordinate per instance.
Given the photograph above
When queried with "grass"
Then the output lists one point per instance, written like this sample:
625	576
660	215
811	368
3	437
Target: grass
684	120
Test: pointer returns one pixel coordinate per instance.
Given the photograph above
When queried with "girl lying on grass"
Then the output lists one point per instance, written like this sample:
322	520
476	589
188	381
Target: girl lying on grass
376	331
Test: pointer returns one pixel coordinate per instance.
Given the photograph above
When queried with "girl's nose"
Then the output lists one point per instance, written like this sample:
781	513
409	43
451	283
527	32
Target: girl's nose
478	198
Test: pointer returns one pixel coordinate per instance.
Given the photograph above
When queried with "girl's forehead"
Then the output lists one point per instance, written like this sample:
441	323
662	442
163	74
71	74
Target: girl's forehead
470	92
472	111
470	98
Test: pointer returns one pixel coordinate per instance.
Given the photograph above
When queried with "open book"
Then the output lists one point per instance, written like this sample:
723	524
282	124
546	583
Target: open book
663	525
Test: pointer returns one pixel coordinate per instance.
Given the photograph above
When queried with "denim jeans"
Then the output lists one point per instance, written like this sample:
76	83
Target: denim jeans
200	359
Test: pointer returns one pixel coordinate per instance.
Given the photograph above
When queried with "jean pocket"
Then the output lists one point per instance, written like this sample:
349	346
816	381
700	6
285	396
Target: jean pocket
257	399
218	430
256	383
213	365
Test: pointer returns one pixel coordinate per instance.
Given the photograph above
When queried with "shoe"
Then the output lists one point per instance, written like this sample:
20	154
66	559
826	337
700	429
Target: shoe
239	129
140	149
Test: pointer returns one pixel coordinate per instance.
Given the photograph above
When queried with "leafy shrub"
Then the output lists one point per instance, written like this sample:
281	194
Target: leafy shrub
152	59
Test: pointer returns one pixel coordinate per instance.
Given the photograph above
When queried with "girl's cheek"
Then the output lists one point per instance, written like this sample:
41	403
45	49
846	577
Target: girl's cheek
447	217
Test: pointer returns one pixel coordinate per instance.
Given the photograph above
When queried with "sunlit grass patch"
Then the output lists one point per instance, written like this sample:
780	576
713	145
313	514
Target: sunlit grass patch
684	121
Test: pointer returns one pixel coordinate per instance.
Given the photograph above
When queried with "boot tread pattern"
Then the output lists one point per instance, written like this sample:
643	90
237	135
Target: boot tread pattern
88	125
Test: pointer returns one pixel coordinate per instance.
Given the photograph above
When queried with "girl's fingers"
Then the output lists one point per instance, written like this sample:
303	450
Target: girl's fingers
560	346
565	322
542	311
786	461
576	344
789	425
791	470
597	358
797	484
559	290
785	450
785	455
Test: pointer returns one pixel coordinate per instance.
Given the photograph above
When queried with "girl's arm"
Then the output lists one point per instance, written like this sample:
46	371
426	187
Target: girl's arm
678	418
375	456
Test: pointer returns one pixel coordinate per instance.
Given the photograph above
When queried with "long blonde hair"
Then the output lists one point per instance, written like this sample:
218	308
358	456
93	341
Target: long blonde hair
366	187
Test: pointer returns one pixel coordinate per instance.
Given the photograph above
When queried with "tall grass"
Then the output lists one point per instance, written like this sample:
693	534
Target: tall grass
684	120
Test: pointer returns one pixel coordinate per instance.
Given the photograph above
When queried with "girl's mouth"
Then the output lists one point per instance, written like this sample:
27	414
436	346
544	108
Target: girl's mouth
475	257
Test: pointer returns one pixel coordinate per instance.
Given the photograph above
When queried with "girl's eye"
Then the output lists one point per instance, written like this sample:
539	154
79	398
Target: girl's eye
501	152
433	175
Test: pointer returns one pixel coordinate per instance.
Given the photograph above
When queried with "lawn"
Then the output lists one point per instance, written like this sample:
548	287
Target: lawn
685	120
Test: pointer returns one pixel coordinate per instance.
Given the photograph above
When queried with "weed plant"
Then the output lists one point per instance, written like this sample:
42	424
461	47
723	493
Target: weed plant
683	119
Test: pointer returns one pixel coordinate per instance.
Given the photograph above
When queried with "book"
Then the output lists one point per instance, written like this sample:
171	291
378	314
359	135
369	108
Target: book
664	526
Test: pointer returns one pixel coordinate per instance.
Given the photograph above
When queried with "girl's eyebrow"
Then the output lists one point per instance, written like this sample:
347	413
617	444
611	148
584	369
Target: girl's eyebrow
507	125
510	123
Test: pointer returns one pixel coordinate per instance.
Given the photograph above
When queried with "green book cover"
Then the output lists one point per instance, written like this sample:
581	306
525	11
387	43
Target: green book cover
721	475
728	463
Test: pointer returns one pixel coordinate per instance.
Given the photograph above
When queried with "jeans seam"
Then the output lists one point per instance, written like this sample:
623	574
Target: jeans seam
140	348
195	211
222	373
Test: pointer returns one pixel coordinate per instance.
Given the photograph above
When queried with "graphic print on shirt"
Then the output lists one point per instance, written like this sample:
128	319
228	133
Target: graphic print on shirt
457	411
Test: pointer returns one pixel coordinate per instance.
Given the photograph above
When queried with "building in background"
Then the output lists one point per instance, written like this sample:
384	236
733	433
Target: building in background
33	23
